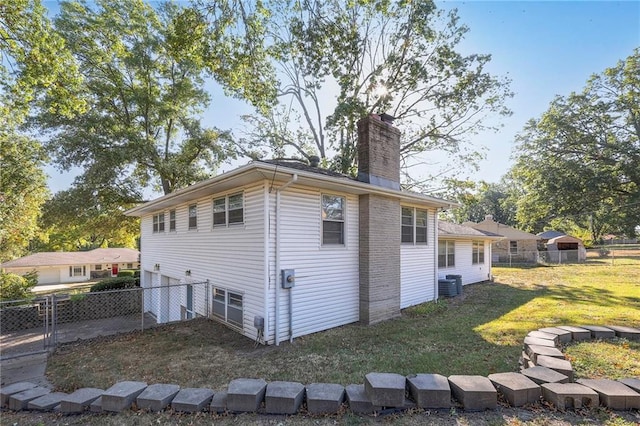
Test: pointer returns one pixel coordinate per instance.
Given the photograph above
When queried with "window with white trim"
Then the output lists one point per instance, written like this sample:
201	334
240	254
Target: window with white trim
414	225
407	225
227	305
228	210
333	219
97	267
477	256
193	216
513	247
158	222
446	253
172	220
77	271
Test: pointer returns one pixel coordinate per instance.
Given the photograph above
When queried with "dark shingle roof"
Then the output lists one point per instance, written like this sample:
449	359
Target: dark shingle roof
299	165
454	229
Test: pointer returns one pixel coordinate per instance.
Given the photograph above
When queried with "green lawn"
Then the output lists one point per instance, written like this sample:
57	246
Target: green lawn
480	333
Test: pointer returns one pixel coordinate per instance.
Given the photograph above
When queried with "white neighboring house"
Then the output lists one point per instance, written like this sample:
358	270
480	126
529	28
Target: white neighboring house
350	249
71	267
465	251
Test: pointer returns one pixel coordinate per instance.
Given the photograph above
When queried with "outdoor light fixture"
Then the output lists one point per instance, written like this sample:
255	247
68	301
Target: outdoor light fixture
156	267
188	272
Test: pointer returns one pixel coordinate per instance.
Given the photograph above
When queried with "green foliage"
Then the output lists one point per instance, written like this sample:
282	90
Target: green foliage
579	160
481	199
144	87
23	189
394	57
129	273
82	218
16	287
34	61
116	283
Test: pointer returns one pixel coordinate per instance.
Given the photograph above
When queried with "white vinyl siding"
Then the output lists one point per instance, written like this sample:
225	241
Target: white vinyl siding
326	291
471	273
229	257
417	269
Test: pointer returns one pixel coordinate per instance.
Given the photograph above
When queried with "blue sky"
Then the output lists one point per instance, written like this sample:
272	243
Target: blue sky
546	48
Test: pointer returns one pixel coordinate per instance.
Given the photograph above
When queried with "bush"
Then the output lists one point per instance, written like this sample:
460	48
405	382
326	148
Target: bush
115	284
129	273
15	287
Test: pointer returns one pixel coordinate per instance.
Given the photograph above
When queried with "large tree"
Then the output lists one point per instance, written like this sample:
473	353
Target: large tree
144	86
479	199
33	61
83	218
23	189
339	61
580	159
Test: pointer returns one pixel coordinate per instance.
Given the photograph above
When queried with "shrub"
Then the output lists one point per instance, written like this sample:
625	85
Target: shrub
129	273
15	287
117	283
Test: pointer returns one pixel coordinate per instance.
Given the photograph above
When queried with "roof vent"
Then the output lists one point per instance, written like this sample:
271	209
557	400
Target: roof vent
314	160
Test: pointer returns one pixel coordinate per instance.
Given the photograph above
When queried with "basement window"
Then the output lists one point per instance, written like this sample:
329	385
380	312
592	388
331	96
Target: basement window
228	306
333	219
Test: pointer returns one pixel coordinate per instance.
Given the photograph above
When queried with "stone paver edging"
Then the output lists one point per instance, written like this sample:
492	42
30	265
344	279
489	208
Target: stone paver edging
544	373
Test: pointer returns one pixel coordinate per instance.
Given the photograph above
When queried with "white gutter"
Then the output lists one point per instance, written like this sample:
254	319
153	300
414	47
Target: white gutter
293	180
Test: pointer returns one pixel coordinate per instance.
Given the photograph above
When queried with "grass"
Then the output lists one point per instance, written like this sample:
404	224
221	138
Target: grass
480	333
614	359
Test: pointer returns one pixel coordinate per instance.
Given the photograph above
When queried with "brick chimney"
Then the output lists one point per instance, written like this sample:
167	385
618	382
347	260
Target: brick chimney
379	151
379	220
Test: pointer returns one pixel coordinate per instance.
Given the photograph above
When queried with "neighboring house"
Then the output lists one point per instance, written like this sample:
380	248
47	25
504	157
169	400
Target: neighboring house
349	249
517	245
465	251
68	267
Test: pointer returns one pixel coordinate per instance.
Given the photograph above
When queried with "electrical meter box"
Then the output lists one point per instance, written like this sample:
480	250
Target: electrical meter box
288	278
258	322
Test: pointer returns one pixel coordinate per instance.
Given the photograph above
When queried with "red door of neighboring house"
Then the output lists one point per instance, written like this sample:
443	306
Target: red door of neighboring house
114	270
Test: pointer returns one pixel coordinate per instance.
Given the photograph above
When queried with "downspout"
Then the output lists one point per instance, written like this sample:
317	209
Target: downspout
293	180
266	273
435	254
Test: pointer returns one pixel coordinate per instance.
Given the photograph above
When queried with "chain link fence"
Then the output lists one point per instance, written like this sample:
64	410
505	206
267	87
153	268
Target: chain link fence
43	322
599	256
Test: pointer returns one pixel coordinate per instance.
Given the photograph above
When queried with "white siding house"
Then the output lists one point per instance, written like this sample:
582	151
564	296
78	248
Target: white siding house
337	239
465	251
73	267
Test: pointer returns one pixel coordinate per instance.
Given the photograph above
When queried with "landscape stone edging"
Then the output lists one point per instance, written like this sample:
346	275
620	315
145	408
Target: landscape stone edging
428	391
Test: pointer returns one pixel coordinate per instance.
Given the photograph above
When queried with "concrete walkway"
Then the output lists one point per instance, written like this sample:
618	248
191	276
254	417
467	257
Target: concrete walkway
25	368
22	357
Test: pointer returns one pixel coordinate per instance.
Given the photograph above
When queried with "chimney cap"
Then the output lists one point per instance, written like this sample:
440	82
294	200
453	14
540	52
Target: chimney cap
386	118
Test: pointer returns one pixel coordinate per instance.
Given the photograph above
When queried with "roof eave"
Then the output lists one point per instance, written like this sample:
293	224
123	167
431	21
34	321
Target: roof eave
271	171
